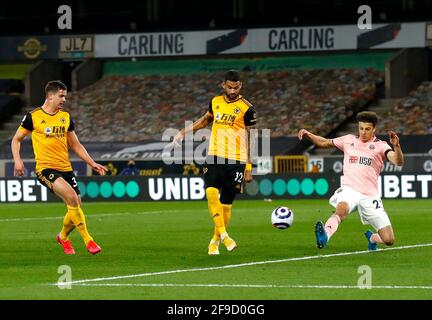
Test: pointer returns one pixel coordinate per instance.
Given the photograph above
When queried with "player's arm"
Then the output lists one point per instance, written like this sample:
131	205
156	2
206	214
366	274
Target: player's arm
395	156
16	147
316	140
24	130
201	123
81	152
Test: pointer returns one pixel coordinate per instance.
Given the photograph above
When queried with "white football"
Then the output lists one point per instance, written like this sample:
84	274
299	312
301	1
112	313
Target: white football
282	217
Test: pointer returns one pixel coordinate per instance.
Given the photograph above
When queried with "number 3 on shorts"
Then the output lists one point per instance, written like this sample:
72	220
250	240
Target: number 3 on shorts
74	182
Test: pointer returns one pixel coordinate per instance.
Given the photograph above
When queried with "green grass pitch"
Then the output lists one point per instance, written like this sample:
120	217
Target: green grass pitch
158	251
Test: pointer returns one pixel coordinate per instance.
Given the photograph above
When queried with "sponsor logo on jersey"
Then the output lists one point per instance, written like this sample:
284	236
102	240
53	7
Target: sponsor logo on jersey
360	160
227	119
365	161
55	131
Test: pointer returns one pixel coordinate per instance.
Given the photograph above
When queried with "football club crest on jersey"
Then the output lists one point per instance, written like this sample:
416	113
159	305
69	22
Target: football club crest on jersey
353	159
236	110
62	120
371	146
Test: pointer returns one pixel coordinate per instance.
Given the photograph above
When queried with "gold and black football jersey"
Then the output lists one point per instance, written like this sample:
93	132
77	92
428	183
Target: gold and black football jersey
230	118
49	138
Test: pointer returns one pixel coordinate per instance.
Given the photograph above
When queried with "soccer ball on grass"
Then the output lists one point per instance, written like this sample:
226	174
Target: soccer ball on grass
282	217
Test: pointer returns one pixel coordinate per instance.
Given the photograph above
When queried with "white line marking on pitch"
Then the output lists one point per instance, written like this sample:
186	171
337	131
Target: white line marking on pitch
89	215
96	215
248	286
231	266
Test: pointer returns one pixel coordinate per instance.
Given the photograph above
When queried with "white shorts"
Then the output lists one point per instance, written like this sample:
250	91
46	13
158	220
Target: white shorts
370	208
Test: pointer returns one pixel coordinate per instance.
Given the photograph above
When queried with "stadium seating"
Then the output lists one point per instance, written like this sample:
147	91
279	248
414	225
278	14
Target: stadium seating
411	115
134	108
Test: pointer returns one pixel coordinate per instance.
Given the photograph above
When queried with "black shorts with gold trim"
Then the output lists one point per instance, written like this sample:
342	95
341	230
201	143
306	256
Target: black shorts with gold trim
48	176
228	176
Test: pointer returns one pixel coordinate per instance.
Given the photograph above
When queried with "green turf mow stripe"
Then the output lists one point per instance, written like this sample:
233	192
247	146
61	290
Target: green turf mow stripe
149	274
293	286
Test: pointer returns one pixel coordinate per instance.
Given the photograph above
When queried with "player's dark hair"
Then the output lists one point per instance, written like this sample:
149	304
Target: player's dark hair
367	116
54	86
232	75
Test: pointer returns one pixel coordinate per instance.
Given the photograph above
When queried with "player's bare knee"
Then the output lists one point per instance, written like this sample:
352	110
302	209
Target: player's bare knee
389	242
342	215
342	210
73	200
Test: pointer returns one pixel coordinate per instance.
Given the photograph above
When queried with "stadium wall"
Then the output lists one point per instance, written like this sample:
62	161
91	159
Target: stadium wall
40	73
405	71
375	60
86	73
181	188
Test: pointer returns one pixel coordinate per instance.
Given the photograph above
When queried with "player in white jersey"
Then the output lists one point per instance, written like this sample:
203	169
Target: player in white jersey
364	157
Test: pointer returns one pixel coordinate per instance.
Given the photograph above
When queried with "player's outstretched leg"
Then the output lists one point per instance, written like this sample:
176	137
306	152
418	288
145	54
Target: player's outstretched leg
66	244
371	245
79	221
321	235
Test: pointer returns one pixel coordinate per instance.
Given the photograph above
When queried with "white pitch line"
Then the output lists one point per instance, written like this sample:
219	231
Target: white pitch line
231	266
293	286
89	215
104	215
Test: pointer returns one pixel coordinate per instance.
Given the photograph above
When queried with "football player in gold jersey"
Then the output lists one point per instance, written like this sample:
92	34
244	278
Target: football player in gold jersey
229	160
52	131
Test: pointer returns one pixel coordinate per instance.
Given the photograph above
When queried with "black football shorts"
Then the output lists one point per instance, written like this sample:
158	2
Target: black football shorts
48	176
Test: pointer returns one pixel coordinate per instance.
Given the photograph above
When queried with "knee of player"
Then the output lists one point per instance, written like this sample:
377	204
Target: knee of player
390	241
342	210
341	213
212	193
73	200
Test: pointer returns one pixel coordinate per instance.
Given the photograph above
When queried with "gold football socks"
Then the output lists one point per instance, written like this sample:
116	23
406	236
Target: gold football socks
68	226
216	210
78	218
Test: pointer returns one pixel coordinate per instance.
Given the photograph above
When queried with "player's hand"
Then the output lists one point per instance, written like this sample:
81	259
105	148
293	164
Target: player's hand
177	142
99	169
394	139
19	168
248	176
302	133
